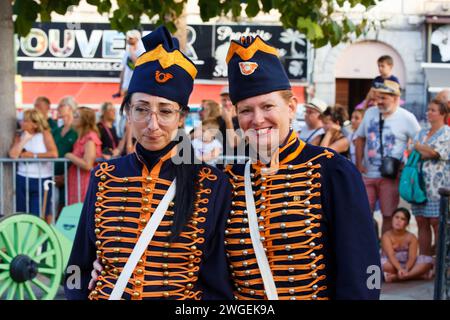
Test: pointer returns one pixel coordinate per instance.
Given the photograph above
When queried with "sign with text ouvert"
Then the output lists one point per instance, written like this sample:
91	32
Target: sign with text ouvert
94	50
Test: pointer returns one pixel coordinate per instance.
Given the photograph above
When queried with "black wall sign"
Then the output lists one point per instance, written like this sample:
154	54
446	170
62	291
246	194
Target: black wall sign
94	50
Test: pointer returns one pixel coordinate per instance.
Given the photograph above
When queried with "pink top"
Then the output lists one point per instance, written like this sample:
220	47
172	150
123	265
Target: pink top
83	179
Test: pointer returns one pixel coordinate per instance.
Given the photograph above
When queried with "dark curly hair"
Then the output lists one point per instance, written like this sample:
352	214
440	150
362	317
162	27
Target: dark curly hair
337	114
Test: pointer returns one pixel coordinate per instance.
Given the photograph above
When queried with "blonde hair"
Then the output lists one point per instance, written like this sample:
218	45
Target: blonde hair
286	95
37	118
87	122
213	109
211	123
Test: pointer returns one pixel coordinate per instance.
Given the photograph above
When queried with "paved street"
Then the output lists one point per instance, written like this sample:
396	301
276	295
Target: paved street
412	290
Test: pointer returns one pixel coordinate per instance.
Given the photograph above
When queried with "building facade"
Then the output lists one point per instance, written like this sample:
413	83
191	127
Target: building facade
414	32
342	74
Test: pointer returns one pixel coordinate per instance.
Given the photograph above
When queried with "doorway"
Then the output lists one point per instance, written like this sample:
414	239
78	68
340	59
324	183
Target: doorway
355	68
351	92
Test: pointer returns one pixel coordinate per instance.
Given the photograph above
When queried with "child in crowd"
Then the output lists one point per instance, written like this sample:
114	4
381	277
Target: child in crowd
385	65
357	116
206	147
399	258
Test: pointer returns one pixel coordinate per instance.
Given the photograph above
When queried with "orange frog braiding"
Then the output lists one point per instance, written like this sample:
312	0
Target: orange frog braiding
309	163
104	168
205	173
302	175
183	274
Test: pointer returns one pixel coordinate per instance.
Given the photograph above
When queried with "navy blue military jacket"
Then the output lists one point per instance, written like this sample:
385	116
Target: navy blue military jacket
122	195
314	223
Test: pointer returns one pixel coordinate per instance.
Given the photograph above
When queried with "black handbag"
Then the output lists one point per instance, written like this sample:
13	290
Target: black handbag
390	166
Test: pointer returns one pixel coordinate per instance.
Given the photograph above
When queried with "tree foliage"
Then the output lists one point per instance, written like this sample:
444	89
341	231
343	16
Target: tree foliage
315	18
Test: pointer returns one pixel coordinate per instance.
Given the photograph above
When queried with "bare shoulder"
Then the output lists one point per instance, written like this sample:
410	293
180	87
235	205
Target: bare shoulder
387	235
411	237
47	134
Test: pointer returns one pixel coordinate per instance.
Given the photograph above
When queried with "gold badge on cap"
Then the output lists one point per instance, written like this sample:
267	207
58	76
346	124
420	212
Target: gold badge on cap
162	77
247	67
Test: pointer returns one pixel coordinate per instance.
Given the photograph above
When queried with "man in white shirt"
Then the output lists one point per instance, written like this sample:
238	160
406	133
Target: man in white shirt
314	125
133	50
399	126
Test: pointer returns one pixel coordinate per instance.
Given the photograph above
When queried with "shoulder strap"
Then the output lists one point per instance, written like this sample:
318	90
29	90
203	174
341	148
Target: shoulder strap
312	134
380	125
413	159
261	258
109	133
142	243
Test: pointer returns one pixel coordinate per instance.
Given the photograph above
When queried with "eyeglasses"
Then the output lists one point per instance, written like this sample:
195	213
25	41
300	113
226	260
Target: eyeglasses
164	115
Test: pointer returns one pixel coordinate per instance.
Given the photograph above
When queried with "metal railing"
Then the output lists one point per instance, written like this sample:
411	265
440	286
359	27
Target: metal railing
12	164
8	163
442	279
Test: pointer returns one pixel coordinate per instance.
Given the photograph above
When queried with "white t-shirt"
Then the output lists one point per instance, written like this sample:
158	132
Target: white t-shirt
351	136
202	148
308	135
127	71
35	170
398	128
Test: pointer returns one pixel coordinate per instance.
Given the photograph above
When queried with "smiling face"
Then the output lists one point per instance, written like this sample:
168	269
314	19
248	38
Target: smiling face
65	113
265	120
153	133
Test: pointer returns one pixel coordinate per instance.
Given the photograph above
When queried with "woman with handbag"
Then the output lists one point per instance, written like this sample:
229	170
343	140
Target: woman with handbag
433	145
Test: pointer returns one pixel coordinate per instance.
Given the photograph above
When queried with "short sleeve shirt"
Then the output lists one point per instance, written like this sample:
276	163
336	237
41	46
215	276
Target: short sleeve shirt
64	144
128	65
398	128
308	135
380	79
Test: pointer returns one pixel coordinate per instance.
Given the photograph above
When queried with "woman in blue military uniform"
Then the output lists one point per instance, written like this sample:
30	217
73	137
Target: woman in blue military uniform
155	224
300	225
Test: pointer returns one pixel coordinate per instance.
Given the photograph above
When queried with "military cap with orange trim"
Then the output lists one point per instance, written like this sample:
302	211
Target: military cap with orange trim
254	69
163	70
